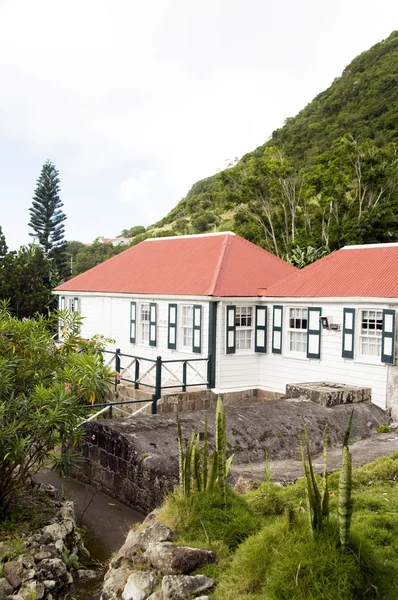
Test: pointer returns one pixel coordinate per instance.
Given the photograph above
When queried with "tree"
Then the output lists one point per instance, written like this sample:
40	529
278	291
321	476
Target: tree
46	216
26	281
43	388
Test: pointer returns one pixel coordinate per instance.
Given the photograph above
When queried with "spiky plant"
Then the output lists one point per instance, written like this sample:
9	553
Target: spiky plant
317	501
345	486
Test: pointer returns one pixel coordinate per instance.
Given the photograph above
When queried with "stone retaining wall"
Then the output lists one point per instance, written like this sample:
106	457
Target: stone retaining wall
136	459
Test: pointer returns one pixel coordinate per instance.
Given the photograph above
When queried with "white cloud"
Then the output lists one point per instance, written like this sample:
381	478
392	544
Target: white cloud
118	90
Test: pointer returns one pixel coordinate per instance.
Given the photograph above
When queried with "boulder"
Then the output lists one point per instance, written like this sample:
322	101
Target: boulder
139	585
32	589
5	587
84	575
177	560
114	582
181	587
12	572
141	540
51	568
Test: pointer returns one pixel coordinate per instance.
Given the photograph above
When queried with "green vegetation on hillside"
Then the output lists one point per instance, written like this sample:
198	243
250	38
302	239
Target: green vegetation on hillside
325	179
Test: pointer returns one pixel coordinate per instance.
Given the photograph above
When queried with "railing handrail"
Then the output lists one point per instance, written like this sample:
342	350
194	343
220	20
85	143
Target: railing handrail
157	373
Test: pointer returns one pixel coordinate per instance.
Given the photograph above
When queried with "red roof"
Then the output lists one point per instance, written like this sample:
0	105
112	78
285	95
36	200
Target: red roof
354	271
221	264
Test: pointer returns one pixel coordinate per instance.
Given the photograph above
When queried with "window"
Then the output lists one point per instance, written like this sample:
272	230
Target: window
371	332
187	326
144	323
244	327
297	331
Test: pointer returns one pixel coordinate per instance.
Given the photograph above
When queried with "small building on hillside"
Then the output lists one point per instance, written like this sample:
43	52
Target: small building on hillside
335	321
189	297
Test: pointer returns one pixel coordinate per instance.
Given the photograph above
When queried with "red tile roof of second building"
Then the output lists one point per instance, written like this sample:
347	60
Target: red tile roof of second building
204	265
354	271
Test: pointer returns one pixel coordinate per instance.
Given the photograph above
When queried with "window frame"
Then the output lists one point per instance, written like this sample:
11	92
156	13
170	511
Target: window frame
144	342
239	328
289	330
370	358
182	327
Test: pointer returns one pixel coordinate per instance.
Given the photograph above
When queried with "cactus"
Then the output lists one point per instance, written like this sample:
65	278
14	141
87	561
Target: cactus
345	484
317	502
199	471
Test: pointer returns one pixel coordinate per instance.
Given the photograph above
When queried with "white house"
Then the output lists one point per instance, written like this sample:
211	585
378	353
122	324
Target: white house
168	297
256	321
335	321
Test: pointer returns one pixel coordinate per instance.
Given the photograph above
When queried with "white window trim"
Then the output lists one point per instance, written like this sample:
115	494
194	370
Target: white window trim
366	358
288	352
139	322
181	328
245	328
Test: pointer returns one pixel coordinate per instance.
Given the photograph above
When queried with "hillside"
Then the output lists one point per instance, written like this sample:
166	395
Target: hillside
302	187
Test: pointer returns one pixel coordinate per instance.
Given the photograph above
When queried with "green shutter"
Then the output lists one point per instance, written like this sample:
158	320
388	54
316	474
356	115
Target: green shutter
260	331
172	328
133	322
277	324
197	329
314	332
231	329
348	332
388	337
152	324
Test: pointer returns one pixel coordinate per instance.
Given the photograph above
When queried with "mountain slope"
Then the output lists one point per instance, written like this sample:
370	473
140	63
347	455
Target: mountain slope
361	104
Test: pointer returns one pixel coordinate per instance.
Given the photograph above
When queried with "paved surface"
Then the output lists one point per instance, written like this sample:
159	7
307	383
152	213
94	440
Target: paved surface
363	452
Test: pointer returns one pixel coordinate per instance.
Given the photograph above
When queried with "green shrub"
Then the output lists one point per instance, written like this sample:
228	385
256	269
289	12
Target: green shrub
279	563
204	518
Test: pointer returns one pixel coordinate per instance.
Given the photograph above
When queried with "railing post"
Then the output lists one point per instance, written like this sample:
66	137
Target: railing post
158	379
117	367
137	374
158	385
184	376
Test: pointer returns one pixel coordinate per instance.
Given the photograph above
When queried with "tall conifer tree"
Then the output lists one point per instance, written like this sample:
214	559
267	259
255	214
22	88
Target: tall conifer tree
46	216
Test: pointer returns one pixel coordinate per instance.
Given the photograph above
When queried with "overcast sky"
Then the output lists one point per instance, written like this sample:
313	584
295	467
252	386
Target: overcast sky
135	100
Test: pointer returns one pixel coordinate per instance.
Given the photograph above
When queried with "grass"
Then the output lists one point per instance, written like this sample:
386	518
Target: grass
263	557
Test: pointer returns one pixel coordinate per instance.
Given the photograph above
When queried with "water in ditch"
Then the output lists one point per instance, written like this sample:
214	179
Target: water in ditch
106	522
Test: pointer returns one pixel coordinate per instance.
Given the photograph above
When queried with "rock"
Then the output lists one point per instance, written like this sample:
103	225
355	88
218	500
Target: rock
177	560
32	589
114	581
51	568
139	585
180	587
49	584
59	544
12	572
151	518
5	587
42	555
84	575
156	595
141	540
54	531
27	575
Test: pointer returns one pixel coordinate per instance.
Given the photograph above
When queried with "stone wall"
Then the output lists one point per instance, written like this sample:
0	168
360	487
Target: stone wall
136	459
202	399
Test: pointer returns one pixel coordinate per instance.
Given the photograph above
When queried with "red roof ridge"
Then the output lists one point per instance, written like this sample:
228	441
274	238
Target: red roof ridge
188	236
366	246
219	270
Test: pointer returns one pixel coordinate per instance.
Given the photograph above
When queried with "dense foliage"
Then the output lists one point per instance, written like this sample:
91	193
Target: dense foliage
325	179
26	279
43	388
46	216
